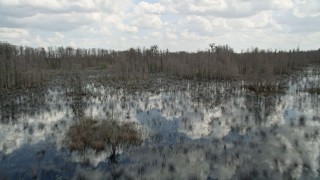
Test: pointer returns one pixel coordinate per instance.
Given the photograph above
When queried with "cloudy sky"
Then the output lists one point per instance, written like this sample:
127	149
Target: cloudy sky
175	24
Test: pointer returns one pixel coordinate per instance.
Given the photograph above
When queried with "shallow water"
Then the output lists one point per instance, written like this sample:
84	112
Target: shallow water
190	130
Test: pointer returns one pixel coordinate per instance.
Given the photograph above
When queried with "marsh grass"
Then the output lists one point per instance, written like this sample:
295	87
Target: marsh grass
265	88
102	135
315	90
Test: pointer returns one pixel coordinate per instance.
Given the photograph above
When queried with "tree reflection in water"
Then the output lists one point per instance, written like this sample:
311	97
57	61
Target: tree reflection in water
208	130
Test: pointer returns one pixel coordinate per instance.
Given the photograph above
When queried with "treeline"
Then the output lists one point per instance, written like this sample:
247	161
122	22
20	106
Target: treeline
23	67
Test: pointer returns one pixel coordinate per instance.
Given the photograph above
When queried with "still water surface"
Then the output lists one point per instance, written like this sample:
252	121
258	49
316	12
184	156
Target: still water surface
190	131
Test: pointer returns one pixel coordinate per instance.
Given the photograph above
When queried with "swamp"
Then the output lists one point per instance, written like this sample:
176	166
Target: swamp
147	114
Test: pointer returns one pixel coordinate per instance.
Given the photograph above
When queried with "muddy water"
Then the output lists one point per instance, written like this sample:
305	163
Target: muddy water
190	130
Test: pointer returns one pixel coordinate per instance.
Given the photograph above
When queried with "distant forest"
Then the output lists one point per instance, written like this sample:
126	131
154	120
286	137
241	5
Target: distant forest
25	67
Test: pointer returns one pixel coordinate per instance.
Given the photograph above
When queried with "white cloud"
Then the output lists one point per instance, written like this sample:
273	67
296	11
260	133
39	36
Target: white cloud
179	25
147	21
171	35
187	35
156	34
203	6
204	25
126	28
260	20
105	30
9	2
150	8
146	15
307	8
13	33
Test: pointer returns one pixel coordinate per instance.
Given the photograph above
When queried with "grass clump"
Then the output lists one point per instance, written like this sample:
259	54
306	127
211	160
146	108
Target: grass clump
313	90
102	135
264	88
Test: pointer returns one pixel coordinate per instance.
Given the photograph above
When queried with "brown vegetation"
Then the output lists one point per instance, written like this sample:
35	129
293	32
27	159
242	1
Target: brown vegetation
314	90
106	134
21	66
262	88
25	66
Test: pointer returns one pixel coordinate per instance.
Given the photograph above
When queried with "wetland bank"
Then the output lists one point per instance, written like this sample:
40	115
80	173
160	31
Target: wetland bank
148	114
